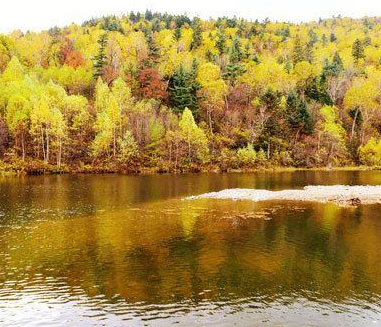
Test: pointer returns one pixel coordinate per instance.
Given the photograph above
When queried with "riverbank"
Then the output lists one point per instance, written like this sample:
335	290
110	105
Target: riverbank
20	167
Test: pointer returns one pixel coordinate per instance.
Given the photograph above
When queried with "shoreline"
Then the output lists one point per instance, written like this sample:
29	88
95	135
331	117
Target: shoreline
31	168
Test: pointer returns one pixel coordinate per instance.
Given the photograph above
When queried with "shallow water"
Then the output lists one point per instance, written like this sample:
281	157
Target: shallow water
128	250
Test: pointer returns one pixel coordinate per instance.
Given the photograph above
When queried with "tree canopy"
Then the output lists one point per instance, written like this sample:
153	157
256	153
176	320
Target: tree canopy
169	93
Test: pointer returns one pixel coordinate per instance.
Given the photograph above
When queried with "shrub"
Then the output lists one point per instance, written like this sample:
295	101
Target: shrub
261	157
247	156
228	159
128	148
370	153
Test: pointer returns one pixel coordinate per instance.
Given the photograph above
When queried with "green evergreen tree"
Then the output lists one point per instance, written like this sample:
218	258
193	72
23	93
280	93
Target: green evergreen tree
287	66
312	89
194	69
148	15
112	24
101	58
255	58
247	51
156	25
335	68
153	49
358	50
367	41
309	53
324	40
197	36
333	37
221	42
232	72
298	51
317	90
177	34
313	37
297	113
271	99
284	33
236	51
132	17
338	63
183	91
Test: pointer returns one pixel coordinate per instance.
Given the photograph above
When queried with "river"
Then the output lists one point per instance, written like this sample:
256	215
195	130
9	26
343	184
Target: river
111	250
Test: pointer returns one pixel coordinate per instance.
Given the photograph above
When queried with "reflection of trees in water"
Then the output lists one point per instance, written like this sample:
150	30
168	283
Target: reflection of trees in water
169	251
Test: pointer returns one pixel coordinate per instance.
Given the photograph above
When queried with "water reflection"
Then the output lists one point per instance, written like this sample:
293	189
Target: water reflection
93	250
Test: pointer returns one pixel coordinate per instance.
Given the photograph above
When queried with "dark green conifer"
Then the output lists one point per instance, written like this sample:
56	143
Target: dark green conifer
183	90
100	58
297	113
333	37
236	51
358	50
177	34
197	36
221	42
298	52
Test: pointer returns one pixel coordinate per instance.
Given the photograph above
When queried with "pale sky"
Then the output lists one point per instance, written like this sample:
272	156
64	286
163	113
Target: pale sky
43	14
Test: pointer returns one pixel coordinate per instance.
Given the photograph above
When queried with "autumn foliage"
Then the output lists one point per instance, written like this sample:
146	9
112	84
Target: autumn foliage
164	92
151	86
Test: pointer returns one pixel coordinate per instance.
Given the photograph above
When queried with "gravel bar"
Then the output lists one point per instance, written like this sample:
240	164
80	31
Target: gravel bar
342	195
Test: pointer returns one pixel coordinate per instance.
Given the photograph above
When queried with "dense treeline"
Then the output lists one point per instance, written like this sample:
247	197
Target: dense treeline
169	93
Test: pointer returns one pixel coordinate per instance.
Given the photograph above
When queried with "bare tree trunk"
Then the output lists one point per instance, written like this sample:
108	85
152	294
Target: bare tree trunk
210	120
59	153
114	141
226	103
170	153
177	155
120	126
319	142
23	146
189	147
354	123
43	144
47	146
297	135
364	124
329	153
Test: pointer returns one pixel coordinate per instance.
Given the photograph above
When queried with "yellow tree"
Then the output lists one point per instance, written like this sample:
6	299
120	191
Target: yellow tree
194	137
17	115
106	126
103	138
331	132
362	98
303	72
77	119
13	72
102	93
267	74
6	49
122	95
111	106
213	89
47	121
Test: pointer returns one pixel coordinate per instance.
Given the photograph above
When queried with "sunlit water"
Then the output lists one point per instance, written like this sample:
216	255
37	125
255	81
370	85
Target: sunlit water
127	250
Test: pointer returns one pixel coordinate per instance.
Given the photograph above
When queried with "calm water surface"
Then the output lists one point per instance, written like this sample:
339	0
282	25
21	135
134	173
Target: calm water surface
114	250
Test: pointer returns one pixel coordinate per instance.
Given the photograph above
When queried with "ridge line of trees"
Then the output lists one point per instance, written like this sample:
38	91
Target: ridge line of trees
170	93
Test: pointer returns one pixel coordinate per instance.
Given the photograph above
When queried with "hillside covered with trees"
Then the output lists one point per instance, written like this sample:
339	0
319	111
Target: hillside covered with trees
157	92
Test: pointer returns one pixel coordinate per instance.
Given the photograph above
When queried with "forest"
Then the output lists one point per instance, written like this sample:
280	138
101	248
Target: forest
154	92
